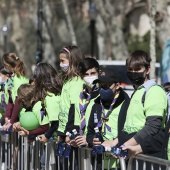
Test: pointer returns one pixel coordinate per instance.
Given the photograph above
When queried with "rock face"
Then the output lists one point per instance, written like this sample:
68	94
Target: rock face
115	21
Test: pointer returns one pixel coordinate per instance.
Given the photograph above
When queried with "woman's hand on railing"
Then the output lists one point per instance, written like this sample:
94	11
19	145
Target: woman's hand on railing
81	141
96	141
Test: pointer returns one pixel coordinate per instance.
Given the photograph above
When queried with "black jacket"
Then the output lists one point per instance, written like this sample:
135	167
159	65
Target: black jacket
97	109
157	145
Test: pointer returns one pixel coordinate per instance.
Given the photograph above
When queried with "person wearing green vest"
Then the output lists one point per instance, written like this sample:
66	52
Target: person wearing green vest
89	70
159	144
31	123
29	104
69	117
47	90
144	118
108	113
14	65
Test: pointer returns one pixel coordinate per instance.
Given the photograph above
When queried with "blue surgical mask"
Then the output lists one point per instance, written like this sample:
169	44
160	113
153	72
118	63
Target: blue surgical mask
106	95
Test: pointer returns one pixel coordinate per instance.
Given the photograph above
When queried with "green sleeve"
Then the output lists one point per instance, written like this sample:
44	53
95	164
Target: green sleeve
155	102
36	110
52	106
17	82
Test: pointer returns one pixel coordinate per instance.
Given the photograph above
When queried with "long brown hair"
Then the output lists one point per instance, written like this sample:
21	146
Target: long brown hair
46	79
15	62
74	55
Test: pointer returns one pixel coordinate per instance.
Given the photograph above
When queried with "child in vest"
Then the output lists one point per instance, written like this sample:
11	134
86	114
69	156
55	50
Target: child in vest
89	70
70	58
47	90
144	119
14	65
159	144
108	113
69	117
29	104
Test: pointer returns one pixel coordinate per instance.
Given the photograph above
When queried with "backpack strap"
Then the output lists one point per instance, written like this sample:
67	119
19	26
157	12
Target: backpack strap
123	113
147	86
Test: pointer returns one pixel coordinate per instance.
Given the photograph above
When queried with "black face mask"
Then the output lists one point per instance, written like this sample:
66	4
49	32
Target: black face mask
136	78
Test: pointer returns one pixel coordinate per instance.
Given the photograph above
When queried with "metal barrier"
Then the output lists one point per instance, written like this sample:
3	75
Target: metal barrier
144	162
21	155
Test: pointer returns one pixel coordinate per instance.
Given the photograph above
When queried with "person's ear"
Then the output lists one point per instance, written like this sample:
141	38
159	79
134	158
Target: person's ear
148	71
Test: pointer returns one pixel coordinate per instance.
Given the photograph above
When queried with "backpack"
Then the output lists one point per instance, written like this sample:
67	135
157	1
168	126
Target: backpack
147	86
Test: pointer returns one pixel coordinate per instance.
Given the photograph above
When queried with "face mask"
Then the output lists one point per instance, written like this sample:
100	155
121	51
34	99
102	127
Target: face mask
106	95
136	78
89	80
64	67
1	81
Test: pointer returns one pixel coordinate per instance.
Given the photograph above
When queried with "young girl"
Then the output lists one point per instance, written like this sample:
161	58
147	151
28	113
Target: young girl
70	58
13	64
28	103
47	90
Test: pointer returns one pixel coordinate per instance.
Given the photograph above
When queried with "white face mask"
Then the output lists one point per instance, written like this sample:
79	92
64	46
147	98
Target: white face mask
64	67
89	80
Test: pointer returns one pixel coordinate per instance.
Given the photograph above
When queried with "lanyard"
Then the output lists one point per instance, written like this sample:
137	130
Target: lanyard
83	109
105	117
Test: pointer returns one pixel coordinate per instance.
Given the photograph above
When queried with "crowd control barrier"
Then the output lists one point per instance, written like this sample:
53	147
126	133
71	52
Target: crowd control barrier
17	153
144	162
